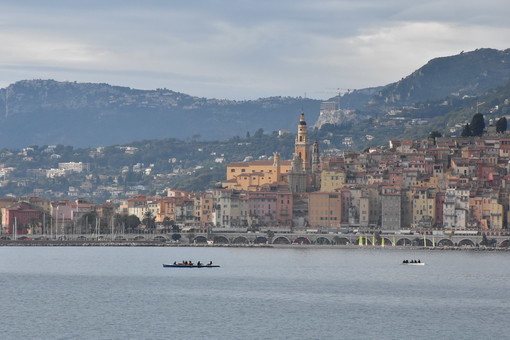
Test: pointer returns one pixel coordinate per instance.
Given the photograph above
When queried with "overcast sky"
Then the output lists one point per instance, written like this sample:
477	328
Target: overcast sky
240	49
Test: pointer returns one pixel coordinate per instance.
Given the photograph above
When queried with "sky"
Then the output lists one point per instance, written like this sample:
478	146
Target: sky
240	49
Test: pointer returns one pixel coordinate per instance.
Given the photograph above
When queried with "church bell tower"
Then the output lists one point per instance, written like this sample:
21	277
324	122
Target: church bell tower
302	147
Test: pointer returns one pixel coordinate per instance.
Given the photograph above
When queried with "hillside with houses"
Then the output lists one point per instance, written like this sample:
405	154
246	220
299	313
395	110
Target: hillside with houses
432	185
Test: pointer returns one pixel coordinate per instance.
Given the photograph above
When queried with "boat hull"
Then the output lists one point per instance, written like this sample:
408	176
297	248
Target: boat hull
190	266
414	264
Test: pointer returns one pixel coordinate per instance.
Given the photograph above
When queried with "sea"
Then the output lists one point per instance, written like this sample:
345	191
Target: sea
257	293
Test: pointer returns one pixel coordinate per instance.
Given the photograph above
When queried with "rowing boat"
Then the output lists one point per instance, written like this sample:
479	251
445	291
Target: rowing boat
190	266
415	264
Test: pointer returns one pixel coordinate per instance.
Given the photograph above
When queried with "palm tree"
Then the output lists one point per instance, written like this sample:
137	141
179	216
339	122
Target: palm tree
149	220
270	235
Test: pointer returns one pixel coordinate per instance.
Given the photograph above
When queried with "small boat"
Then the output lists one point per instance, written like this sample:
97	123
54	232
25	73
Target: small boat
182	265
415	264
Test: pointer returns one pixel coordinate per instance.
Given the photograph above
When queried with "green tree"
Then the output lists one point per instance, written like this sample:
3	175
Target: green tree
477	125
270	235
149	220
167	223
501	125
259	133
466	132
130	222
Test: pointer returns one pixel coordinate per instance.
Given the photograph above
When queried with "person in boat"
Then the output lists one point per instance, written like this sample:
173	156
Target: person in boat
199	263
210	263
175	263
419	261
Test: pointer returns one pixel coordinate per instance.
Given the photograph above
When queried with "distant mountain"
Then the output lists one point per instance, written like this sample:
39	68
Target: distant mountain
46	112
442	95
466	74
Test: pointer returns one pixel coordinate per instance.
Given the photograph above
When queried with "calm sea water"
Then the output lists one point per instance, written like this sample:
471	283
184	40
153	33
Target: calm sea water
298	293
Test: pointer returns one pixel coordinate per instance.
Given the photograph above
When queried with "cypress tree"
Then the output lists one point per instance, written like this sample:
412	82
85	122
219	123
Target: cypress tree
477	125
466	132
501	125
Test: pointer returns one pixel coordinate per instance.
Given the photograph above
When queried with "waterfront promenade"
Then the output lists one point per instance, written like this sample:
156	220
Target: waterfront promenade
261	239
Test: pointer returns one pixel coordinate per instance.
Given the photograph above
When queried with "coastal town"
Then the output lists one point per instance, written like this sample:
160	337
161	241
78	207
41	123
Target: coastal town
434	186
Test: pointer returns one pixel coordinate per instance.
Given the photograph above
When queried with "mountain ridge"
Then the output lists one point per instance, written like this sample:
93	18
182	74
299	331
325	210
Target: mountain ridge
48	112
90	114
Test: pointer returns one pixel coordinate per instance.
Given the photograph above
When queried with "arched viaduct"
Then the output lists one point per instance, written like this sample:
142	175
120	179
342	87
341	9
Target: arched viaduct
285	239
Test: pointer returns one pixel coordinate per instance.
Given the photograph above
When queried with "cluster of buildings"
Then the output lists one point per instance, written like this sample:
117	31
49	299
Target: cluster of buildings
440	183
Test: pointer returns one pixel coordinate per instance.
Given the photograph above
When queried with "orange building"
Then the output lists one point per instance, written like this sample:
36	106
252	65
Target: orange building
324	209
250	176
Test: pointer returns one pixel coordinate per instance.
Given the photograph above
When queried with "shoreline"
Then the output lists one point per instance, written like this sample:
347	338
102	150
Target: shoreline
60	243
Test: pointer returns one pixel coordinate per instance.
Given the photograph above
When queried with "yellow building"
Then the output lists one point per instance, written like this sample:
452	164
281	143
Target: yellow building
423	207
332	180
250	176
496	216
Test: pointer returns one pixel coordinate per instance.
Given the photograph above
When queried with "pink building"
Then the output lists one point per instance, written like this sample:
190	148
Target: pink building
270	208
22	215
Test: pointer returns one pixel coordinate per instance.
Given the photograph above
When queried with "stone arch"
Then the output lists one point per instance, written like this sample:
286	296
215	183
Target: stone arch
5	238
322	240
445	243
422	242
364	241
221	240
505	243
301	240
240	240
200	239
466	242
341	240
260	239
387	241
404	242
281	240
160	238
139	238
